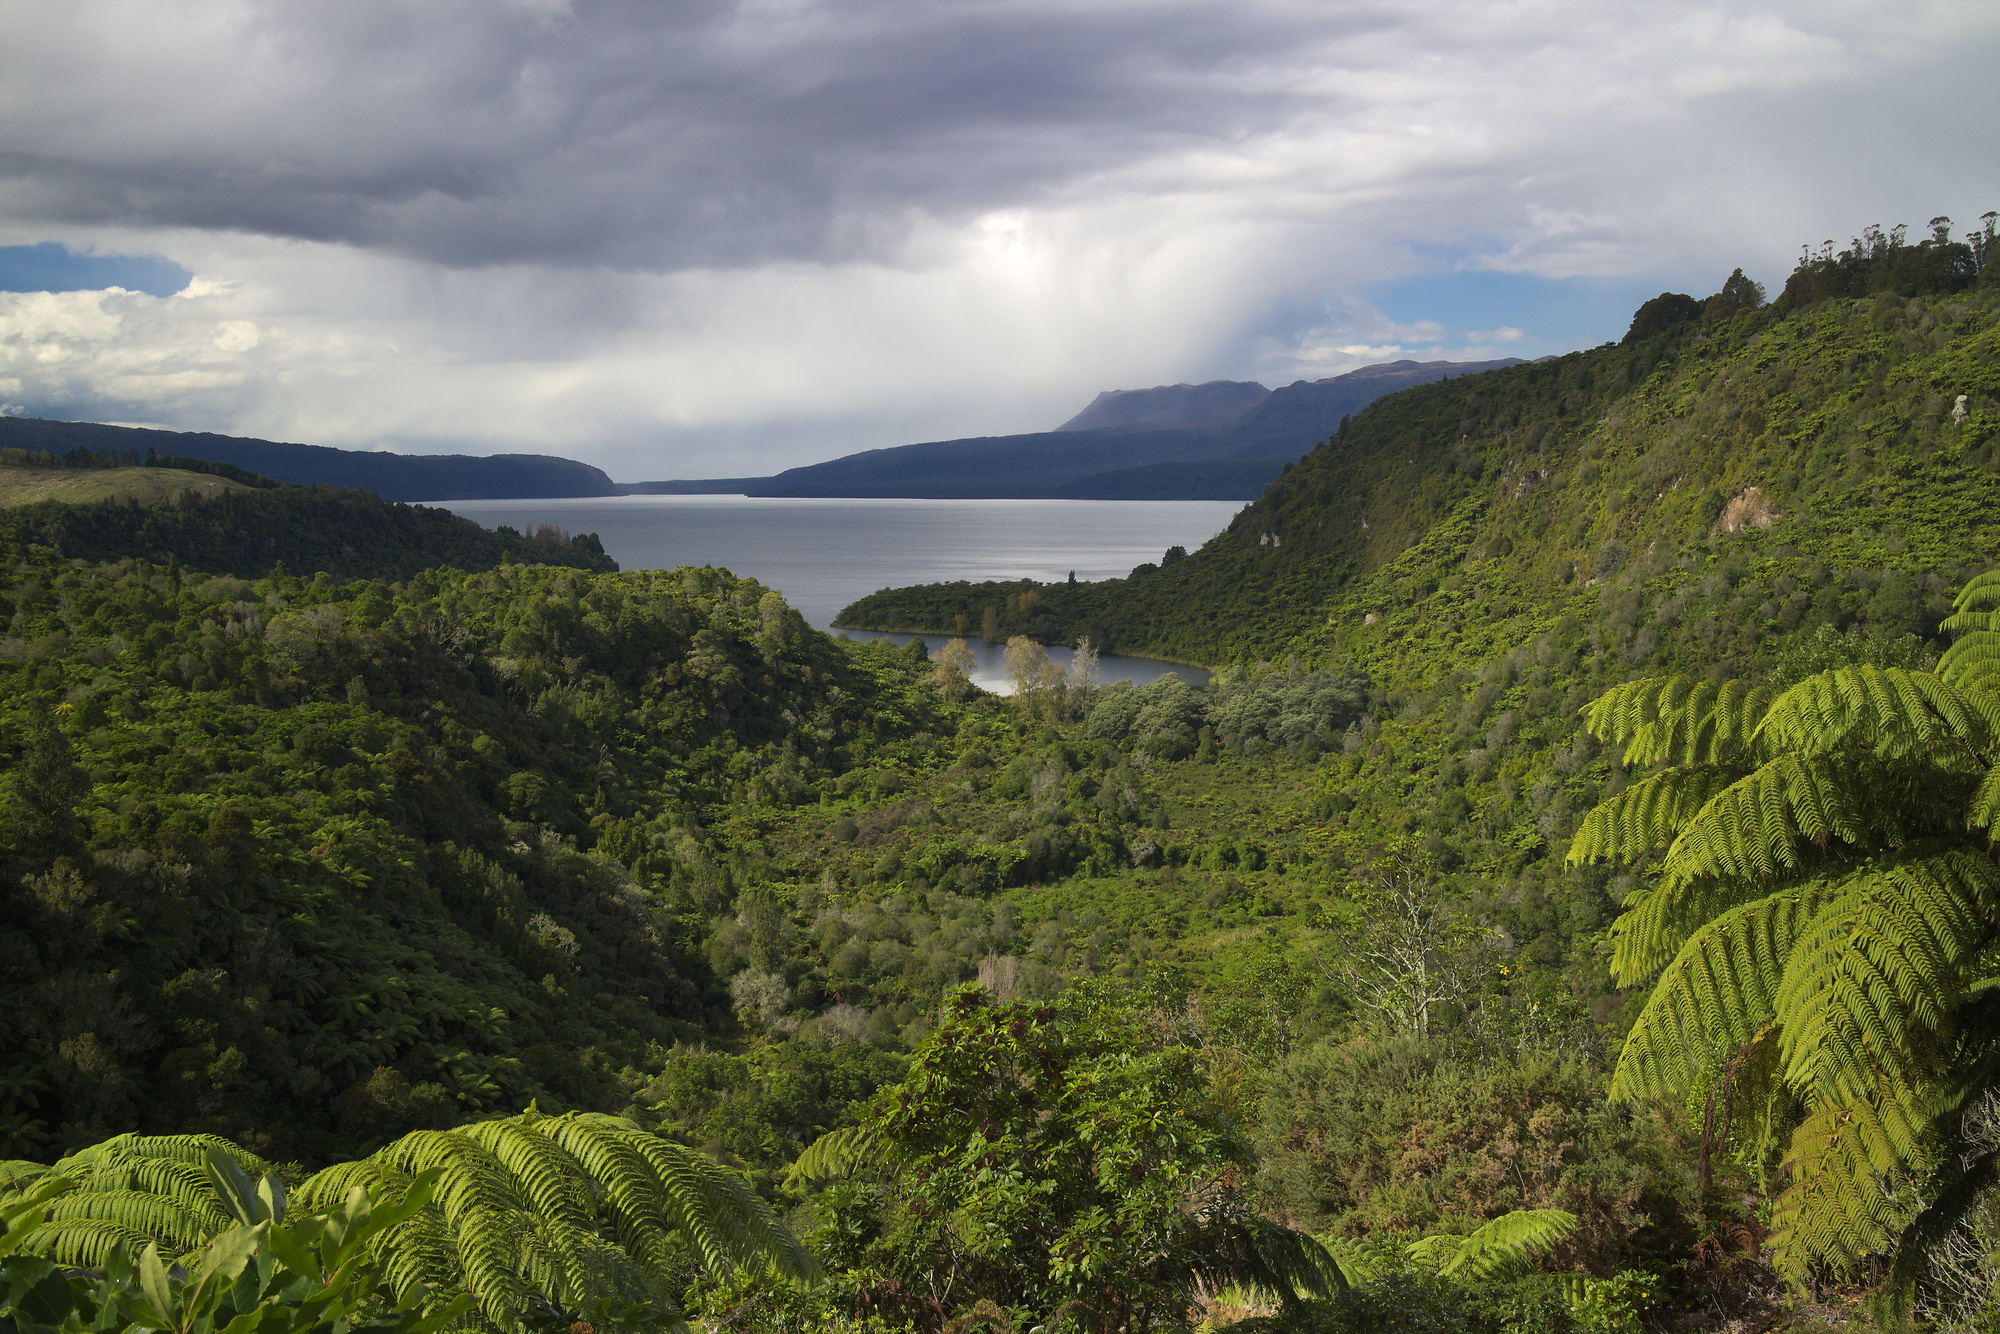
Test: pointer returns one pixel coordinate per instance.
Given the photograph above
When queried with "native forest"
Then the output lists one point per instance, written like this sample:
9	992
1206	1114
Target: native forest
1573	903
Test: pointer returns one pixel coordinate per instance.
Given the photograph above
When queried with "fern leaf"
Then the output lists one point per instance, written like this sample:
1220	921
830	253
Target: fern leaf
84	1242
552	1181
1361	1261
1983	812
719	1212
1977	605
1680	720
482	1211
1835	1207
1236	1248
16	1175
1880	971
1508	1244
154	1217
1751	830
629	1186
1718	991
1972	663
838	1153
1646	816
1891	711
1658	921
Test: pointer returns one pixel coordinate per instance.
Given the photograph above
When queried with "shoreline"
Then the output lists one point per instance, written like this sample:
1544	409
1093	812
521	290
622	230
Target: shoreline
950	634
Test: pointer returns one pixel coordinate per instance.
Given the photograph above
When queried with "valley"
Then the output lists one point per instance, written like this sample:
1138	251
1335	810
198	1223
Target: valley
349	834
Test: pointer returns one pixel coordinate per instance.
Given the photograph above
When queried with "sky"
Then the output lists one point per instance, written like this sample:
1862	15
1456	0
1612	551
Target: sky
687	238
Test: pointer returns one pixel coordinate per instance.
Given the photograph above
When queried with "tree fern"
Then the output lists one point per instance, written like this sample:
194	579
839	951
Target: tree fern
574	1210
1504	1246
1891	712
1821	924
1753	829
1647	816
579	1212
839	1153
1717	994
1836	1206
1881	970
140	1188
1680	720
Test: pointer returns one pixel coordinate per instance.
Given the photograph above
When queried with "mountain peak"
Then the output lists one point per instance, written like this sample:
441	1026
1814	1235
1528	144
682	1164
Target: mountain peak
1191	405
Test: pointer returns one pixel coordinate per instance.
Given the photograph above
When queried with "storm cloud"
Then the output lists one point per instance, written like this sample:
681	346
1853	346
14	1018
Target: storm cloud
676	238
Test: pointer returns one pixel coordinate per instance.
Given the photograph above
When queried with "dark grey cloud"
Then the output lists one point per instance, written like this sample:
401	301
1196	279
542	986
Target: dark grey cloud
644	134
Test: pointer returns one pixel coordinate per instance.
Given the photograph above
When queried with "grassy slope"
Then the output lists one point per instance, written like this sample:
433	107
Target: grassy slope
28	486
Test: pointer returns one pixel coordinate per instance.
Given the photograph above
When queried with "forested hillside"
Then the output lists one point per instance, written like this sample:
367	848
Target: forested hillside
247	530
307	863
1825	424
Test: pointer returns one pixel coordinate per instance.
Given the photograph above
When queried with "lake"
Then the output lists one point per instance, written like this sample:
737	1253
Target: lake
823	554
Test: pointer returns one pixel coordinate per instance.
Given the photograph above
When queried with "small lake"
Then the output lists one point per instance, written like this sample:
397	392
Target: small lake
824	554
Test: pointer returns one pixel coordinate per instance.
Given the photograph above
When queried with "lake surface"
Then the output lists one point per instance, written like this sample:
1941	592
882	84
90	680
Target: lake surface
824	554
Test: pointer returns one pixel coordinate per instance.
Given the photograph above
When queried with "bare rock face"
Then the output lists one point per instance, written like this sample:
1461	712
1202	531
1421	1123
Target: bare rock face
1210	404
1748	509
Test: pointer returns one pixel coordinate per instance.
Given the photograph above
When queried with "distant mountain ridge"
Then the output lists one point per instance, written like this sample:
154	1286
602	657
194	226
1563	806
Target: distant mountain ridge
1222	440
406	477
1125	459
1212	404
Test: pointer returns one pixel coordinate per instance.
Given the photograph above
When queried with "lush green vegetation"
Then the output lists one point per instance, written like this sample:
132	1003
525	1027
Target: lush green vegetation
349	534
1472	954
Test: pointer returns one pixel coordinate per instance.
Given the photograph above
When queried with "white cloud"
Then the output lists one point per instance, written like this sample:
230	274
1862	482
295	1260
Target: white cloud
715	238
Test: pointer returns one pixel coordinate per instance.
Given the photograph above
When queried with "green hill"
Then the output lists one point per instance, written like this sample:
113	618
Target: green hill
1818	429
310	863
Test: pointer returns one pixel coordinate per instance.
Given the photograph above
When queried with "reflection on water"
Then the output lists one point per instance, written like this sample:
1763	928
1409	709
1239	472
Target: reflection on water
991	675
824	554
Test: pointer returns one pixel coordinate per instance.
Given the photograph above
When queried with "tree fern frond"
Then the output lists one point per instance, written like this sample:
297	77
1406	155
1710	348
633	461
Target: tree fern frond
629	1185
1680	720
17	1174
1881	969
1508	1244
1977	605
1646	816
1835	1208
577	1210
169	1167
1983	812
1660	921
1751	830
1360	1261
154	1217
482	1211
1973	662
1268	1259
1891	711
717	1210
84	1242
1717	993
550	1179
188	1150
838	1153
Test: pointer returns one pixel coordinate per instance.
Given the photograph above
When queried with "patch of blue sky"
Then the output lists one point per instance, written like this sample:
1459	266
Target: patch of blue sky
1552	314
50	267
